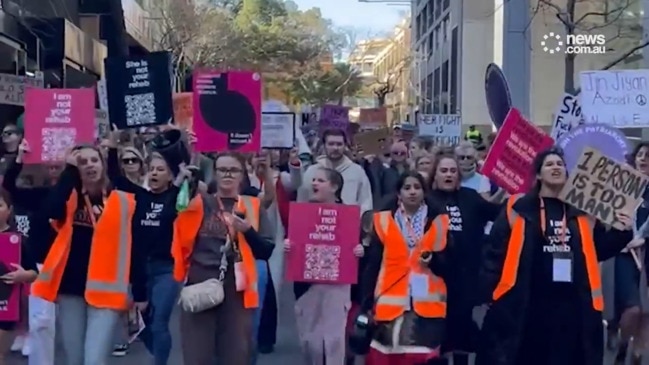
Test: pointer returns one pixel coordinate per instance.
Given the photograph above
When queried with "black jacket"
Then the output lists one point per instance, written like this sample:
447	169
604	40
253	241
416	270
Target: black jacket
503	326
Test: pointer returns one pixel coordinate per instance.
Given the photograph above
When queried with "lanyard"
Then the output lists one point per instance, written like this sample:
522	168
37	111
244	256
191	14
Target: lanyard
564	225
223	218
91	213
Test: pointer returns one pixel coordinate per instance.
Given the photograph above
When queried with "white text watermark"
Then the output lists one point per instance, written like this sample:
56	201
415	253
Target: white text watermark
554	43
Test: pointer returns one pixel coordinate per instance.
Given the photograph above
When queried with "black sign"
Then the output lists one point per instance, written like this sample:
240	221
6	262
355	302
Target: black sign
139	90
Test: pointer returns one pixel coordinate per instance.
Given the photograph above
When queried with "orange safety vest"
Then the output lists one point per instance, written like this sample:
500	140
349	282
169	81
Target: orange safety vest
186	228
515	247
109	265
392	288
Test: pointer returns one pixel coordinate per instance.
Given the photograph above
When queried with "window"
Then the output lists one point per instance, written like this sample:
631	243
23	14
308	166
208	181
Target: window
436	91
431	13
431	37
445	25
445	77
424	20
447	3
438	8
454	67
418	24
437	35
428	96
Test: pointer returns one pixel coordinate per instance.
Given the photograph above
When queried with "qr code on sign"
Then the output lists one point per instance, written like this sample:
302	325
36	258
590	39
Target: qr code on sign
322	262
140	109
56	142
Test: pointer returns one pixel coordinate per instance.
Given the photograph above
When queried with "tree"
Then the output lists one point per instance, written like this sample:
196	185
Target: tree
610	17
269	36
323	86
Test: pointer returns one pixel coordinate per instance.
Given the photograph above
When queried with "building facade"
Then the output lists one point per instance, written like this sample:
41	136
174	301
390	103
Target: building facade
392	67
454	41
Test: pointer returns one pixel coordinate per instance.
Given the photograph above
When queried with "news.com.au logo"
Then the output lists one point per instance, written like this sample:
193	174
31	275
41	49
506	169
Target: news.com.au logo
553	43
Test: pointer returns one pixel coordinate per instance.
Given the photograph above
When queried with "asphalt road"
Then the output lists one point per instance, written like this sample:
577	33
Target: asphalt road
286	350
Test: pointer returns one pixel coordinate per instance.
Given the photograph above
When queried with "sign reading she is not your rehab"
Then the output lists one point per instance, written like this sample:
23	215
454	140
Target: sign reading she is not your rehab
600	186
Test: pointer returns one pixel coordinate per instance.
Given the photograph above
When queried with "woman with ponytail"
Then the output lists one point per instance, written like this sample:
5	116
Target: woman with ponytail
321	309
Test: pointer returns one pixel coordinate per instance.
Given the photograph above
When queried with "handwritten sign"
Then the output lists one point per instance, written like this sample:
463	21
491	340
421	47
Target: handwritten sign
601	186
510	158
373	117
323	238
334	117
278	130
12	88
445	129
372	142
608	140
567	116
616	97
57	120
9	294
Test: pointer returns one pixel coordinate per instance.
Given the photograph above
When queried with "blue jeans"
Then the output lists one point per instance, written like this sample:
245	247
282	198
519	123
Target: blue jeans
162	294
262	281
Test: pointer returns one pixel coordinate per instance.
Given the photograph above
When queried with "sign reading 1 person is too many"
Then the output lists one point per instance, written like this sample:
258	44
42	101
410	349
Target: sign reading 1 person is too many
601	186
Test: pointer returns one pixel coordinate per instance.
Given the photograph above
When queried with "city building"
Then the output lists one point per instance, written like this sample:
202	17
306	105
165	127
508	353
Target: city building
454	41
391	69
364	55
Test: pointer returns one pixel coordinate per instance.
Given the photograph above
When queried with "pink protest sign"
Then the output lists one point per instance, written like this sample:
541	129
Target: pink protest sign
334	116
9	294
227	111
509	162
57	120
323	238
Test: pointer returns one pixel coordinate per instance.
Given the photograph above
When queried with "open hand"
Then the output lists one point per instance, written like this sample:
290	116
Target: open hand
359	250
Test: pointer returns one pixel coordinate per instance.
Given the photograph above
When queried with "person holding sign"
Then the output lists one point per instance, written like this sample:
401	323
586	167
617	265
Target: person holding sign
540	275
404	301
321	309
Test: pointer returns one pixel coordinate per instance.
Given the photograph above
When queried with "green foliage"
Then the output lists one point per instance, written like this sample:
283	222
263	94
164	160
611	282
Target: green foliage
271	36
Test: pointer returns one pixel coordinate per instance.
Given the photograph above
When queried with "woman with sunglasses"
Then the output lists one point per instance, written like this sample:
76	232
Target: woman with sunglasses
152	231
540	276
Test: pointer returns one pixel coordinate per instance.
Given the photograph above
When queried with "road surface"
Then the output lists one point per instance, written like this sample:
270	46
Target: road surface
286	350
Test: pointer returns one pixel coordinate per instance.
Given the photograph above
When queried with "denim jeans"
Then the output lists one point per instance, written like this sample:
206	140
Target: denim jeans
262	281
84	333
162	295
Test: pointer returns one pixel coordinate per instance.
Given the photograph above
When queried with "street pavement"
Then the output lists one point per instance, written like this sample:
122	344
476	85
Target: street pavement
286	350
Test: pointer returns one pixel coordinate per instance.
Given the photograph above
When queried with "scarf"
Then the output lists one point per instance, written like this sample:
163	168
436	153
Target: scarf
417	223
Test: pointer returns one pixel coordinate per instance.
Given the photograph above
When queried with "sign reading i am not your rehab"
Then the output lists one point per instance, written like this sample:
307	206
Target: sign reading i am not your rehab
600	186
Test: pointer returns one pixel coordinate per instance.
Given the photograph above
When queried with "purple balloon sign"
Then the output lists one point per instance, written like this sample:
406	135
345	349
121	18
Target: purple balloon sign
610	141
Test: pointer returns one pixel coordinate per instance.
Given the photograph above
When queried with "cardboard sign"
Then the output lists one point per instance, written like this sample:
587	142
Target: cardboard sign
278	130
509	162
608	140
9	294
102	124
372	142
227	111
601	187
139	90
183	110
334	117
12	88
323	238
373	117
566	117
56	120
446	130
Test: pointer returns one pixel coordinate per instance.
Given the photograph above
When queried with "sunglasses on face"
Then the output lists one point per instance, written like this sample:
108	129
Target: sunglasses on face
228	170
130	161
464	157
9	133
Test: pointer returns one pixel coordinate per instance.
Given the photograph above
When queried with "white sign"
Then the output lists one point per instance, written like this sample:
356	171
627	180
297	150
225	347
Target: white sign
567	116
277	130
102	125
102	93
12	88
446	129
615	97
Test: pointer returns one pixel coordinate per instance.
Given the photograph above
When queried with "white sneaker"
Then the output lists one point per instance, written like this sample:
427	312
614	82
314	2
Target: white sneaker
27	346
18	344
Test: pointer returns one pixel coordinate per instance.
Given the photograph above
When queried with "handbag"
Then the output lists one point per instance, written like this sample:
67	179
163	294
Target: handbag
204	295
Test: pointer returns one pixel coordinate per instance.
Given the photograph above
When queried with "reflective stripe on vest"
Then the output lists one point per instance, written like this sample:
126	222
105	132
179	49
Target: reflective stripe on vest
437	288
120	283
252	216
509	274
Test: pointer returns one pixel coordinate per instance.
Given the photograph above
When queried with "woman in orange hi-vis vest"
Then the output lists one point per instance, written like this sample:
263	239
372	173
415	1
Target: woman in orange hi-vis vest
86	271
540	274
404	277
221	237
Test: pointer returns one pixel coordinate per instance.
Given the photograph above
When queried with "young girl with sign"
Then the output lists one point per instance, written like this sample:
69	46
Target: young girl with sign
321	309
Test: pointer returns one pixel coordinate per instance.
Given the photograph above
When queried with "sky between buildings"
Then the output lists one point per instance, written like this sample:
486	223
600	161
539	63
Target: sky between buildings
364	17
